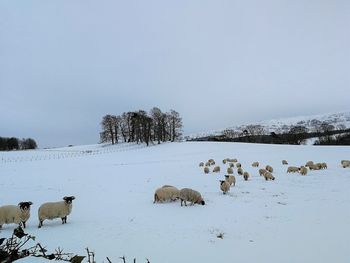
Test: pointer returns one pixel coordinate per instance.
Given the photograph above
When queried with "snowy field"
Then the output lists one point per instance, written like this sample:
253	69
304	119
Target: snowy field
292	219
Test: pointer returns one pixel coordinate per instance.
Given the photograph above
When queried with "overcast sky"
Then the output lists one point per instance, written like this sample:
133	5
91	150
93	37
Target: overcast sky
64	64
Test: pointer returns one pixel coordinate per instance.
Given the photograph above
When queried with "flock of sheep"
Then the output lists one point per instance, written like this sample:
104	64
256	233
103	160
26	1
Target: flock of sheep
19	214
168	193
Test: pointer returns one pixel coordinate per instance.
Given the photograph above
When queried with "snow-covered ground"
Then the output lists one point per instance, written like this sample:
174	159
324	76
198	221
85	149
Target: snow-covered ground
292	219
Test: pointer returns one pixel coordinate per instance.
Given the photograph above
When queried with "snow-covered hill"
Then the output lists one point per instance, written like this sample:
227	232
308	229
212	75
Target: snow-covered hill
292	219
338	120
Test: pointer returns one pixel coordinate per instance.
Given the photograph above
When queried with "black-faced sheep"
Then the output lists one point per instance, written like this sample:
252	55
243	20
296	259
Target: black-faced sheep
345	163
284	162
255	164
224	186
229	170
246	176
303	170
52	210
268	176
269	168
240	171
293	169
231	179
216	169
201	164
15	214
262	171
206	170
190	195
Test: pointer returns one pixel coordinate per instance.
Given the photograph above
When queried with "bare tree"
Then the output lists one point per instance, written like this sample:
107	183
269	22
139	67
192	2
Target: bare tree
109	124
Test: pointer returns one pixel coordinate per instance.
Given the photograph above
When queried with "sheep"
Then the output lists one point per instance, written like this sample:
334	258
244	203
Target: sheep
231	165
319	166
229	170
262	171
238	165
166	193
293	169
269	168
52	210
234	160
345	163
206	170
207	164
284	162
309	163
211	161
240	171
255	164
303	170
17	214
190	195
224	161
216	169
231	179
201	164
224	186
313	167
268	176
246	176
324	166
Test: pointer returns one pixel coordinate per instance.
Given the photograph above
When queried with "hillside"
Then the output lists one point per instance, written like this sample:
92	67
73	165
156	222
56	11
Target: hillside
292	219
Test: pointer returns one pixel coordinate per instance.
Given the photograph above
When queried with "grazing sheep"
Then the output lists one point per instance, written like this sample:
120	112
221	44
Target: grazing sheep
207	164
224	161
52	210
231	179
319	166
190	195
309	163
268	176
293	169
201	164
229	170
211	161
206	170
313	167
303	170
345	163
284	162
216	169
246	176
15	214
166	193
231	165
262	171
224	186
234	160
240	171
269	168
255	164
324	166
238	165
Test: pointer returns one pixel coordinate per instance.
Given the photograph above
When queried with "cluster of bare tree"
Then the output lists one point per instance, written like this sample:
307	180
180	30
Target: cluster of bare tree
139	126
13	143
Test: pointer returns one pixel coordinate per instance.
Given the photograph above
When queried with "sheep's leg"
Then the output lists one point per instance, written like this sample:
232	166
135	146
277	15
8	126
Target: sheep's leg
40	223
0	226
24	224
181	201
64	220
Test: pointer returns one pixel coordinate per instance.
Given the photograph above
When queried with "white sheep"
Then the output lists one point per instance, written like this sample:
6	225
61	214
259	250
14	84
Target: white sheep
238	165
284	162
268	176
262	171
255	164
269	168
190	195
246	176
303	170
231	165
216	169
201	164
231	179
211	161
229	170
15	214
206	170
293	169
345	163
52	210
309	163
224	186
166	193
224	161
240	171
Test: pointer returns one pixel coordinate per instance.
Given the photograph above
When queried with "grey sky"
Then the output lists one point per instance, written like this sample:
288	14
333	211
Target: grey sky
64	64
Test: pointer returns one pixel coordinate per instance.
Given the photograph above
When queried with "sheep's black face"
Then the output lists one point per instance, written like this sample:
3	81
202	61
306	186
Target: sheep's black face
68	199
221	182
203	203
25	205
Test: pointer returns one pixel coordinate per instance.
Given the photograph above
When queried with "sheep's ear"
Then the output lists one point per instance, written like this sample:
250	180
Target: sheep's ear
72	197
30	203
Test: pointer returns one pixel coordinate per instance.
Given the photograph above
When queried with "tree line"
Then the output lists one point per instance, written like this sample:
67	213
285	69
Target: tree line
142	127
13	143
